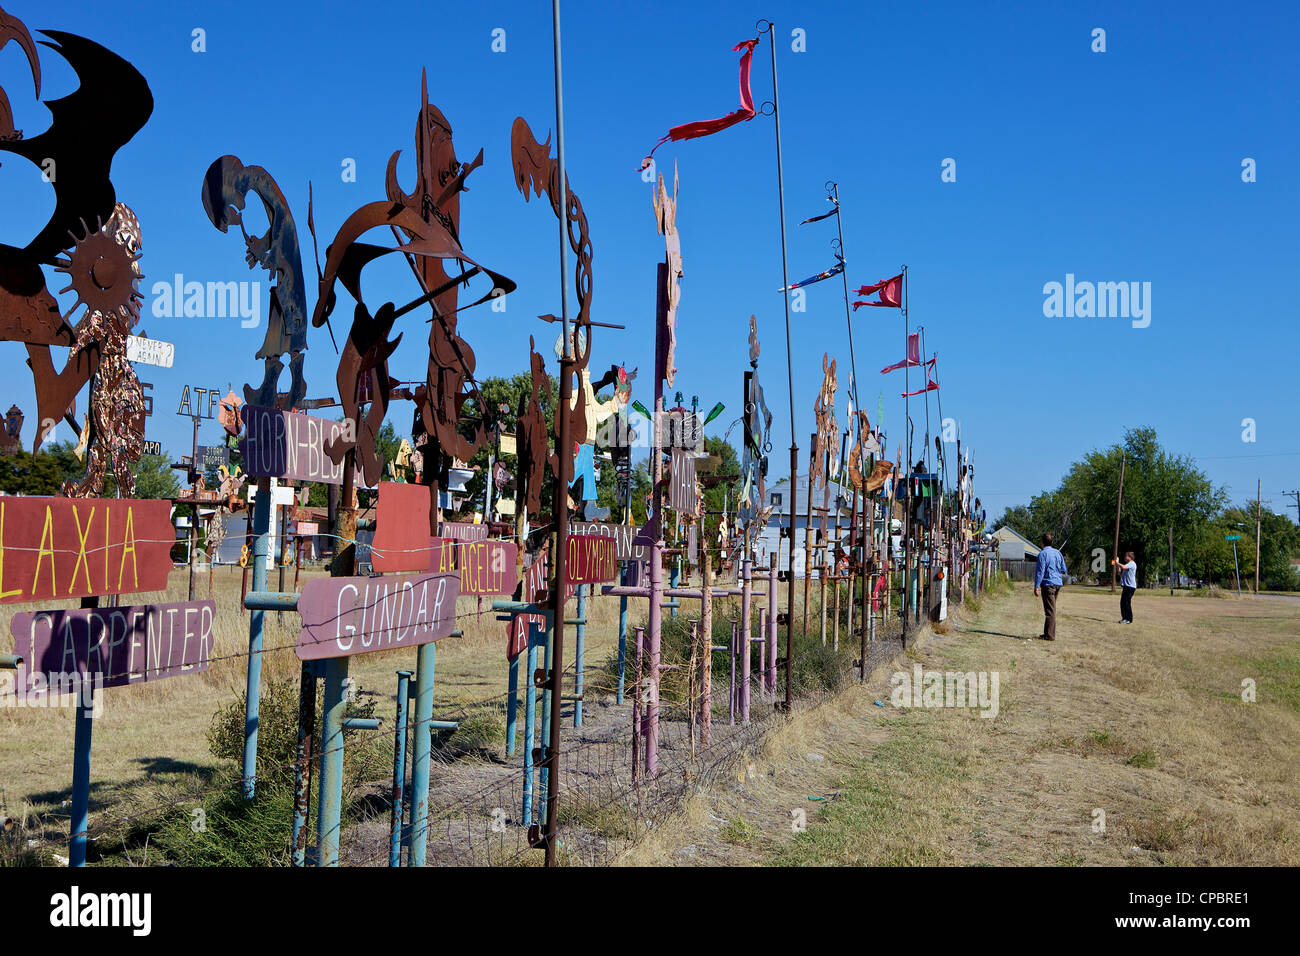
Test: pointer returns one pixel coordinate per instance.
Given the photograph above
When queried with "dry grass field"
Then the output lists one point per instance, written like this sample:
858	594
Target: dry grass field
1117	744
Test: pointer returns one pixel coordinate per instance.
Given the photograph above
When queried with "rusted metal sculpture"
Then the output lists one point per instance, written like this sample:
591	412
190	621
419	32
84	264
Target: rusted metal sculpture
665	207
533	441
226	186
827	429
750	503
103	269
425	225
88	126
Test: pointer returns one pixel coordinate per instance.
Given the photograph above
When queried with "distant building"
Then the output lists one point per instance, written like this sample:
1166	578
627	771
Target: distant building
769	540
1014	546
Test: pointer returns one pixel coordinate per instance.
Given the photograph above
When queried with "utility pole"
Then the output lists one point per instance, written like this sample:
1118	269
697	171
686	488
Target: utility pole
1296	495
1119	504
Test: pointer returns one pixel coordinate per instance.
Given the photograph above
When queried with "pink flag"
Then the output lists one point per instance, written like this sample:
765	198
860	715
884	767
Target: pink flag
913	354
891	293
707	127
933	386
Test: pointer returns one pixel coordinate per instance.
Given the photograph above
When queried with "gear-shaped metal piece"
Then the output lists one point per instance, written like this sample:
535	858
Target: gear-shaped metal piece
102	270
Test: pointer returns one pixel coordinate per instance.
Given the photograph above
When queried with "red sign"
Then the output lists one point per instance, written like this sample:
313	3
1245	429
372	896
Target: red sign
401	528
344	616
464	530
118	645
590	559
290	445
485	567
60	548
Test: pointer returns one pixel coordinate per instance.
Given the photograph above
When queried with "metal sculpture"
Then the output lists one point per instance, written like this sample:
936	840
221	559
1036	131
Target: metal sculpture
425	226
88	126
226	186
666	222
103	270
758	423
827	429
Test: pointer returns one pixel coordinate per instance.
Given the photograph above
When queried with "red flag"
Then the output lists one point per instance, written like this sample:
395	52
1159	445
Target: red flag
891	293
933	386
707	127
913	354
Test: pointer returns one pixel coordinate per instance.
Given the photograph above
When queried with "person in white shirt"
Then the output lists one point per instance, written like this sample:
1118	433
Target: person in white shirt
1128	584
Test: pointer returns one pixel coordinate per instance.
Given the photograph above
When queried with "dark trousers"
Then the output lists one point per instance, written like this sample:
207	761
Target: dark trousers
1049	592
1126	604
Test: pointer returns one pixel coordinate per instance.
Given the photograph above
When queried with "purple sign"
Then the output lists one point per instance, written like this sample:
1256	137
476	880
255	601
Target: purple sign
118	645
344	616
290	445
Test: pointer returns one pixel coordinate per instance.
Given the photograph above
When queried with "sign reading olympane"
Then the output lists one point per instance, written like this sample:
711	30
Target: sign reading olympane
345	616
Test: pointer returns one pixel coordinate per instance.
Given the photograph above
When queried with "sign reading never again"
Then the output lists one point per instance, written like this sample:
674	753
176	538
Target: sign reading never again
280	444
118	645
59	548
345	616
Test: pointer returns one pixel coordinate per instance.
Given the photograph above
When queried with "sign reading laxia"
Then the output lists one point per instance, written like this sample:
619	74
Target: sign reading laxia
59	548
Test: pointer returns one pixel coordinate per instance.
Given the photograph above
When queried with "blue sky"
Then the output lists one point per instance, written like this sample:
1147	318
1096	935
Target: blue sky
1117	166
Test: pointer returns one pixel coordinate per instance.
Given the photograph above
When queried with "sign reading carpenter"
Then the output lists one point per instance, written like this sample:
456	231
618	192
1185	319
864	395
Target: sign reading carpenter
623	535
590	559
485	567
344	616
115	645
59	548
289	445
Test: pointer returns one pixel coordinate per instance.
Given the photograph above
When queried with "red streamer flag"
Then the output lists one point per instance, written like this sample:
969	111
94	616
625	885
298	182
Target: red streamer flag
891	293
708	127
913	355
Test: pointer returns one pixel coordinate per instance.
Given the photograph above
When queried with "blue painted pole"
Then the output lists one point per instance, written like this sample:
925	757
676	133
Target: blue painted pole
253	688
426	660
674	578
330	812
622	635
580	653
84	728
512	706
530	721
399	769
548	704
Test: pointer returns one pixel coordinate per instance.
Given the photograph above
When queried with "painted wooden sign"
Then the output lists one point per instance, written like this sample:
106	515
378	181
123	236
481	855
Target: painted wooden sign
534	589
60	548
401	541
212	457
681	486
464	530
345	616
485	567
150	351
289	445
624	536
590	559
115	645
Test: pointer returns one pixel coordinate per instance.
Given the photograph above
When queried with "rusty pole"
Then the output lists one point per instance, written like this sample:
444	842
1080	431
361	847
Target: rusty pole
807	533
706	668
565	456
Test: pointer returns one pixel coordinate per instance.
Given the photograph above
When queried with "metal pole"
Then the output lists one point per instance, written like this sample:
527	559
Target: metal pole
194	520
622	635
530	721
550	719
1119	504
844	274
253	686
1258	492
580	652
655	624
637	697
771	623
789	361
823	549
706	663
399	769
731	659
1235	568
807	531
302	772
329	815
744	646
426	661
906	594
83	732
555	647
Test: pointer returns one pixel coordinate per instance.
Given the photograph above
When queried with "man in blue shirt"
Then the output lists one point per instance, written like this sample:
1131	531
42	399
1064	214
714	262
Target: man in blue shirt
1049	575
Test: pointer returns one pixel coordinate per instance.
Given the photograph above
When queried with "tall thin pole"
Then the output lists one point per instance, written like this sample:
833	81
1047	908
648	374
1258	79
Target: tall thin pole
848	312
1258	491
561	508
1119	504
905	596
789	362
